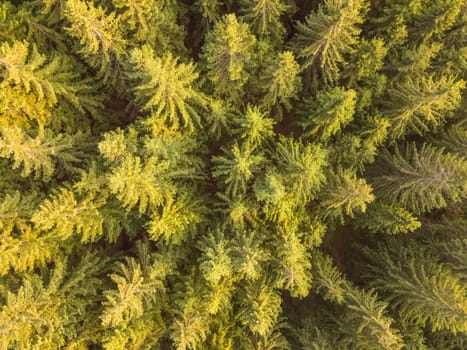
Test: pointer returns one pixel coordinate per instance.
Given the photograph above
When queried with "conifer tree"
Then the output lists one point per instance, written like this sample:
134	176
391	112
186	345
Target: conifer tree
422	290
173	172
328	112
220	118
146	183
283	82
176	219
150	22
40	155
416	105
364	324
15	210
330	284
165	88
64	215
390	219
47	312
235	169
26	251
49	79
228	52
295	266
454	140
133	297
249	255
99	35
210	10
327	36
264	16
260	310
421	178
346	193
254	126
302	166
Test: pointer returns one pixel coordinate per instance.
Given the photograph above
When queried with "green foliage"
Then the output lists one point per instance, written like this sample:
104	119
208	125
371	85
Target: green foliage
423	291
220	118
302	166
65	215
366	325
421	178
235	169
165	88
346	193
26	251
216	263
416	105
453	139
98	33
328	35
264	16
136	181
228	52
47	78
133	292
15	210
295	266
40	155
382	218
261	307
196	174
47	314
175	219
253	126
326	114
329	282
361	320
150	22
282	83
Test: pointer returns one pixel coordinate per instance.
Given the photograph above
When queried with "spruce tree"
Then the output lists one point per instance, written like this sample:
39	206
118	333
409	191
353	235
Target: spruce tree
253	174
423	291
165	88
421	178
417	105
327	36
228	53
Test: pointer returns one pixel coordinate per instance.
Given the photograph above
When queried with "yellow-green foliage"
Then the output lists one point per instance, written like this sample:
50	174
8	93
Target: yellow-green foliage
251	174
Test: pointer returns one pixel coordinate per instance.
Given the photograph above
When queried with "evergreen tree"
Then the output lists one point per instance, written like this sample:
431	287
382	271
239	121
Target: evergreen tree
145	182
165	88
416	105
43	155
302	166
282	83
346	193
47	79
422	290
64	215
295	266
364	324
253	126
150	22
326	114
99	36
228	52
196	174
264	16
327	36
382	218
421	178
235	169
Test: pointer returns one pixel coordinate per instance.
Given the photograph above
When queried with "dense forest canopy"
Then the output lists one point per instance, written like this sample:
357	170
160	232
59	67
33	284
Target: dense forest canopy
238	174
